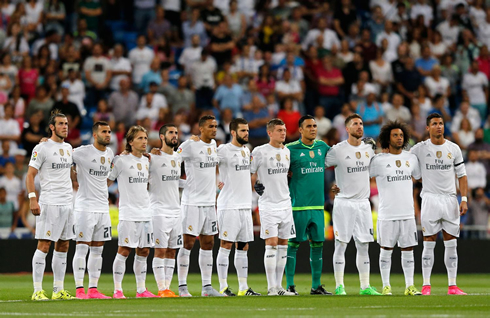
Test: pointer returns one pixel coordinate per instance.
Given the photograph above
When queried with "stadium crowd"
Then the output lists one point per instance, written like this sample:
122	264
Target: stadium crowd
152	62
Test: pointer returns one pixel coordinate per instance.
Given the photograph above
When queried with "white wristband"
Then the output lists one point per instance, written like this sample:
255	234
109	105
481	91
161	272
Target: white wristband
32	195
464	199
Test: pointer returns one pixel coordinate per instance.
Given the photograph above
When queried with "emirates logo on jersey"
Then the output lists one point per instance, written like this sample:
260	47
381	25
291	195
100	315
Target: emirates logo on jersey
449	156
439	154
173	163
139	166
62	153
102	160
398	163
312	154
358	155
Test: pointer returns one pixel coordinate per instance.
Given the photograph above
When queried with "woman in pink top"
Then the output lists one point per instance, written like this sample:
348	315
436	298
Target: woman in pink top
28	78
265	82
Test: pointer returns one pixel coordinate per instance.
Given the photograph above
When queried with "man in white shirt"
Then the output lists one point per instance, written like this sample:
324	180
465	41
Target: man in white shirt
393	39
93	222
135	224
449	30
351	208
77	90
198	205
422	8
191	54
475	86
98	73
396	215
140	58
235	208
270	166
121	67
289	88
330	38
476	172
465	111
202	76
165	170
9	128
440	160
398	111
54	212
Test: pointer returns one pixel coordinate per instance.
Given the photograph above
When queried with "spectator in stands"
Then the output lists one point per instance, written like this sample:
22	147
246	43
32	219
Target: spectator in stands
42	101
266	83
381	72
409	81
28	77
90	11
55	15
68	108
398	111
152	76
351	73
478	213
191	54
5	156
393	39
16	42
345	15
257	119
98	74
249	93
18	102
194	26
120	67
158	27
330	38
211	16
104	114
221	43
182	98
372	115
438	85
202	78
330	80
470	113
290	118
144	12
323	123
13	185
228	95
223	134
288	88
159	100
475	86
124	103
465	135
33	132
8	216
76	88
9	128
237	21
140	58
475	171
426	63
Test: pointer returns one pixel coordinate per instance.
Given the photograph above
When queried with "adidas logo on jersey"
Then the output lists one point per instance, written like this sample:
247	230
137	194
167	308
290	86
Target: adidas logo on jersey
235	155
302	155
131	167
201	153
164	165
94	161
428	155
388	166
271	159
55	154
347	157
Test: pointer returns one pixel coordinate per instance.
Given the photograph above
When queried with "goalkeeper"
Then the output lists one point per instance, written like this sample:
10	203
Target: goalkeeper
306	189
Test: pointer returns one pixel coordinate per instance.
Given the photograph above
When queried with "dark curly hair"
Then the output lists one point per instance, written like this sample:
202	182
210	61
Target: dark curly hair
385	133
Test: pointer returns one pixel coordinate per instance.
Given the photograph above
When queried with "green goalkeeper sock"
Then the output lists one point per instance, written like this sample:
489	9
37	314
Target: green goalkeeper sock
316	263
291	262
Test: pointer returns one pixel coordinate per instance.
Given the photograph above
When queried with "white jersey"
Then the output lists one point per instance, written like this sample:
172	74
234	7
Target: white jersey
200	161
164	184
53	160
438	165
272	166
234	171
351	169
93	168
131	173
394	180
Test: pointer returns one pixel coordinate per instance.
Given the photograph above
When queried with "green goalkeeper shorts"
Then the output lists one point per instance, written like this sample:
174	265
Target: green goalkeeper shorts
310	225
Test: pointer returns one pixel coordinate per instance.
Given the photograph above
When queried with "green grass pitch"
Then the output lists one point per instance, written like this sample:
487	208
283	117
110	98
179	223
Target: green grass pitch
15	292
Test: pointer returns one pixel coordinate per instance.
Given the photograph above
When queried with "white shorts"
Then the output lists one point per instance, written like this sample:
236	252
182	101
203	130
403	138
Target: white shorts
236	225
197	220
56	222
439	212
135	234
277	224
403	232
92	227
168	232
352	218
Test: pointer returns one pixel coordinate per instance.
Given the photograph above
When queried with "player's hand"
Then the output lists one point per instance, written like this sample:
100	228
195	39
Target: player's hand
221	185
194	138
335	189
370	141
147	155
463	208
259	188
155	151
44	139
125	153
34	206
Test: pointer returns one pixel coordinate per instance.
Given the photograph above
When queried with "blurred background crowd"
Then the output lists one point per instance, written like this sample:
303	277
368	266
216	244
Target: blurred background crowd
152	62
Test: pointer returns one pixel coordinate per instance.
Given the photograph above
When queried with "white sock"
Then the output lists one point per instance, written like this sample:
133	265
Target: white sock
94	265
169	271
339	262
223	262
427	261
118	270
139	268
59	270
270	261
183	265
282	258
241	265
79	261
206	266
451	260
385	266
408	265
158	266
362	262
38	266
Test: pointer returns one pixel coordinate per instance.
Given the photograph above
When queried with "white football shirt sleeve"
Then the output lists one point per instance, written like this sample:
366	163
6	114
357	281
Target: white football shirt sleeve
373	171
416	173
38	157
459	166
115	169
331	159
255	164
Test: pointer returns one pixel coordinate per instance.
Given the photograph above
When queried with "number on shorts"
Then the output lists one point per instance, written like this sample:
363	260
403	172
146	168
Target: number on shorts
150	237
213	226
179	240
74	233
292	230
107	231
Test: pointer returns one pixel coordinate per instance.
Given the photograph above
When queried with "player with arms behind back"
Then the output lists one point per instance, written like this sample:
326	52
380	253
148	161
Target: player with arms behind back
54	212
440	160
396	215
271	164
93	222
351	209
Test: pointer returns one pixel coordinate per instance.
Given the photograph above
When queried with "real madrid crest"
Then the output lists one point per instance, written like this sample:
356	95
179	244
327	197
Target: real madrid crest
439	154
319	152
102	160
173	163
139	166
243	154
278	157
367	155
62	152
407	164
312	154
398	163
209	151
358	155
287	158
68	153
146	166
449	156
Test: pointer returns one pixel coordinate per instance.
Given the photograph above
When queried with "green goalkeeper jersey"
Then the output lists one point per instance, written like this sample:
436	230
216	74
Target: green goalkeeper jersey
307	186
